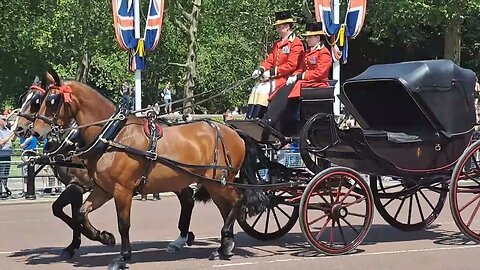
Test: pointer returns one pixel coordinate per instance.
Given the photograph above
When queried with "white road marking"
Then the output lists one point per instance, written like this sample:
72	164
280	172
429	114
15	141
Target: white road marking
393	252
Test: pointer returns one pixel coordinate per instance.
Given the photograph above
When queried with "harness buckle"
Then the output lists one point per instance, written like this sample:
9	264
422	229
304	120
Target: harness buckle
55	129
121	116
223	180
151	155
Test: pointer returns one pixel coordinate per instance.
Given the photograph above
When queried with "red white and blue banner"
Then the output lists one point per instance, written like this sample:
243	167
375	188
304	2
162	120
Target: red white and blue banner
153	27
341	32
124	24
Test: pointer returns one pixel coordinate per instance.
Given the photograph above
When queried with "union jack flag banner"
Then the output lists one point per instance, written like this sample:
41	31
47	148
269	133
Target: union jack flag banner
341	32
154	24
123	18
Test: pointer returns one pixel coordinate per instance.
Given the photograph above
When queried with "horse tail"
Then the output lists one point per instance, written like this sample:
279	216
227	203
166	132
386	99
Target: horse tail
201	195
255	200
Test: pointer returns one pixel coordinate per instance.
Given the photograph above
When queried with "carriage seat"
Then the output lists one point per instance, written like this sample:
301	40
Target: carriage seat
316	100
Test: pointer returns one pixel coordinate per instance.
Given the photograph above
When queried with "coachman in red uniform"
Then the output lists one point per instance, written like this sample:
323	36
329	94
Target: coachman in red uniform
316	63
282	62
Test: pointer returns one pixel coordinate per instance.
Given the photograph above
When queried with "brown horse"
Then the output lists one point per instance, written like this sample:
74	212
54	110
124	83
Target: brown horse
78	182
118	172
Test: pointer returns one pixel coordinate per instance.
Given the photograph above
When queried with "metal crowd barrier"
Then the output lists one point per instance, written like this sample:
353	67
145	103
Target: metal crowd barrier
289	156
31	179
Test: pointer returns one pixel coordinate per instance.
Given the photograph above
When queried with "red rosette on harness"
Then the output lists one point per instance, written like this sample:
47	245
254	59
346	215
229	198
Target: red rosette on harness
65	90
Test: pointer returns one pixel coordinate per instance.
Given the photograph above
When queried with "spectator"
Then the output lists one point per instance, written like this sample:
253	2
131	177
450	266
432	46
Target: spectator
227	116
156	108
6	137
167	98
235	111
7	111
28	144
125	92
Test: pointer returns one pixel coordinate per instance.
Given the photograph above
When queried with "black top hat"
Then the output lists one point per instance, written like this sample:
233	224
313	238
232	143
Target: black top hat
314	29
282	17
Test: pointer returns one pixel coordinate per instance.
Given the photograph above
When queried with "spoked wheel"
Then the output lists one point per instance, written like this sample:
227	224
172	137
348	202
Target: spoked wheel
277	220
407	204
314	140
465	192
336	211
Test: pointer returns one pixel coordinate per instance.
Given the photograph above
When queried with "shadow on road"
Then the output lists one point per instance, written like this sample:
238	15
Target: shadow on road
293	244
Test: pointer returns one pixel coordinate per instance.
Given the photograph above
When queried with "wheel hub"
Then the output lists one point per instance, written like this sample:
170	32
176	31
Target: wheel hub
339	211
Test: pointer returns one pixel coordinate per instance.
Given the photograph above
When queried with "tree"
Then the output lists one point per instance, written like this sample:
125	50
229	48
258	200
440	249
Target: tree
188	22
415	21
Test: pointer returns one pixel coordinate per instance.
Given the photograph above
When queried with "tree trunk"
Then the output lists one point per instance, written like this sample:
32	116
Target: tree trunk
84	68
191	62
453	39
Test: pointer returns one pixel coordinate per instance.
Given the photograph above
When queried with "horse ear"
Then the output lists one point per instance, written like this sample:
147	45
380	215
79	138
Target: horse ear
49	78
53	77
36	81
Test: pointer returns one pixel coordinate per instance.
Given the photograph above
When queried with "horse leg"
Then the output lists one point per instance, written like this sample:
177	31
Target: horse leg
123	204
230	211
72	195
95	200
187	203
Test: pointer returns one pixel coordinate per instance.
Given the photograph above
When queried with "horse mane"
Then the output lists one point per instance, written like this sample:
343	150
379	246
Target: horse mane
88	87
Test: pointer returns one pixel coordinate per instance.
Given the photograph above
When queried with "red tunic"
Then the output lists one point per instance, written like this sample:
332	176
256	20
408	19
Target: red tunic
284	60
316	66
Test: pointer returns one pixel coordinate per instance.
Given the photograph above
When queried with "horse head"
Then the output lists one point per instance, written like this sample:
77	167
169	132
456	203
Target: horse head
53	111
70	101
29	104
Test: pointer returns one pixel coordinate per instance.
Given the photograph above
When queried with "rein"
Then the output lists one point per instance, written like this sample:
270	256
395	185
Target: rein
221	92
122	116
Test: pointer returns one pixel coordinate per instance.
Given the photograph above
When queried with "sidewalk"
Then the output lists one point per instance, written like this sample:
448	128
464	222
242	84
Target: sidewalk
17	198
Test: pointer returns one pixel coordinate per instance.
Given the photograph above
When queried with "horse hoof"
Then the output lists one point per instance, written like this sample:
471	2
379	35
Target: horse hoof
190	238
172	249
67	254
107	238
117	264
218	254
227	248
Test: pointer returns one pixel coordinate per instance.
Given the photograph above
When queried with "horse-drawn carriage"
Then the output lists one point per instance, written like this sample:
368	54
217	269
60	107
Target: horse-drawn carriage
414	141
416	120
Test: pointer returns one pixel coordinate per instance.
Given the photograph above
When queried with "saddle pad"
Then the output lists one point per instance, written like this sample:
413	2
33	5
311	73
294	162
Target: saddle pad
147	131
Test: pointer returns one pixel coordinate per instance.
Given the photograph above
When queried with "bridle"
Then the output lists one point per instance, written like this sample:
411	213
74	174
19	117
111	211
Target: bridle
38	94
56	101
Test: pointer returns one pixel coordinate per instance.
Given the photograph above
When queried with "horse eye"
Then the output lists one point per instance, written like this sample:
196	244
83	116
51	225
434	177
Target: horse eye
52	101
37	101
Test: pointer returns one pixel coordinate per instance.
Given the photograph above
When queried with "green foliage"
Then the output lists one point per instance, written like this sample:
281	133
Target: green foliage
234	37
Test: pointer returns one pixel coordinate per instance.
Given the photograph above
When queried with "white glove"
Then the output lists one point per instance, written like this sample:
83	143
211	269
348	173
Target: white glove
256	73
266	74
291	80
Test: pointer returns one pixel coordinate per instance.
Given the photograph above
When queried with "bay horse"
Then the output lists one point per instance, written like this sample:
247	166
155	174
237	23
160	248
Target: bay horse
184	155
78	182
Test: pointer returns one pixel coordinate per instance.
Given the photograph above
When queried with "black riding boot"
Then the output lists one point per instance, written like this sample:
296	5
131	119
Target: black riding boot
249	111
258	111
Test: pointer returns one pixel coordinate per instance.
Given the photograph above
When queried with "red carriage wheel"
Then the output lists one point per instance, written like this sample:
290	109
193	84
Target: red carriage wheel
409	204
277	220
465	192
336	211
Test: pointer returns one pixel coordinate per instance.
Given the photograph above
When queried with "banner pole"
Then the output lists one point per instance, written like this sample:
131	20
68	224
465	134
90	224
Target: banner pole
138	73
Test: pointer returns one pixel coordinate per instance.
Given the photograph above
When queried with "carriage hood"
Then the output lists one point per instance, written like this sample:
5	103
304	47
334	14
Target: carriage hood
433	94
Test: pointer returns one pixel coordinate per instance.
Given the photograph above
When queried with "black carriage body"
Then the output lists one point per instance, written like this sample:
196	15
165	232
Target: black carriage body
415	117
